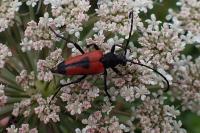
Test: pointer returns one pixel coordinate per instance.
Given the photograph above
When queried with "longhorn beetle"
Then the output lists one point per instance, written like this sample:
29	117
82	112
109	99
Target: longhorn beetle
95	62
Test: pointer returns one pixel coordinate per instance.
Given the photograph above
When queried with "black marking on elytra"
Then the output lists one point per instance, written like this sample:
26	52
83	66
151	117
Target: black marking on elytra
84	63
62	67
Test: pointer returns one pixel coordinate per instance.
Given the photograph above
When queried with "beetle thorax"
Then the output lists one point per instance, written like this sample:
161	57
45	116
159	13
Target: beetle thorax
112	60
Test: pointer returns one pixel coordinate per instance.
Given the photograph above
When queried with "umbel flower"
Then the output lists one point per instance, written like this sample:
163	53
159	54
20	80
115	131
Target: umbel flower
187	18
8	9
30	50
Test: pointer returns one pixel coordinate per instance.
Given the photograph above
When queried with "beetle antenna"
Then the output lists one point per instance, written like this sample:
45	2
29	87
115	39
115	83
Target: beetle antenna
129	37
54	95
67	40
62	85
154	71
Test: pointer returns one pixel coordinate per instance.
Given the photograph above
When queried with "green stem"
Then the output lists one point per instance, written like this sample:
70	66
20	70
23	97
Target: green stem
12	44
89	34
31	12
29	57
39	6
13	70
15	87
89	24
8	80
121	112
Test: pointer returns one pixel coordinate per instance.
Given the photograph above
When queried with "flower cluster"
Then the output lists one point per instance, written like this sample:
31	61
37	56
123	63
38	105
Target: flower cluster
32	2
46	111
44	66
4	53
71	14
26	80
23	129
186	83
113	16
156	117
81	101
22	108
97	122
8	8
3	97
162	46
187	18
37	36
131	88
99	40
128	93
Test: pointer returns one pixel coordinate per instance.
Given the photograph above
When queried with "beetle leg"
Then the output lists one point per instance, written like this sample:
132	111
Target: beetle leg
116	71
113	49
67	40
73	82
105	85
94	45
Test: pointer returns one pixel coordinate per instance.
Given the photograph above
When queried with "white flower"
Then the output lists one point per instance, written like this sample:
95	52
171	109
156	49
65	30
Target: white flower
7	13
59	21
3	97
3	24
4	54
15	5
44	66
46	111
188	17
32	2
94	92
141	92
24	129
152	23
74	108
45	21
26	80
127	93
12	129
54	3
26	44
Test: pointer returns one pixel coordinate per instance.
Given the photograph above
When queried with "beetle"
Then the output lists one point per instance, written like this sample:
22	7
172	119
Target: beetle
96	62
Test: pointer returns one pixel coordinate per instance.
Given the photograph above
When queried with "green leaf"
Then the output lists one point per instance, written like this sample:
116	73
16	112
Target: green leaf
191	122
5	109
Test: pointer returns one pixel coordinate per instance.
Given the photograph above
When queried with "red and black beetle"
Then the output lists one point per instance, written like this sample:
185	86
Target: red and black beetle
95	62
